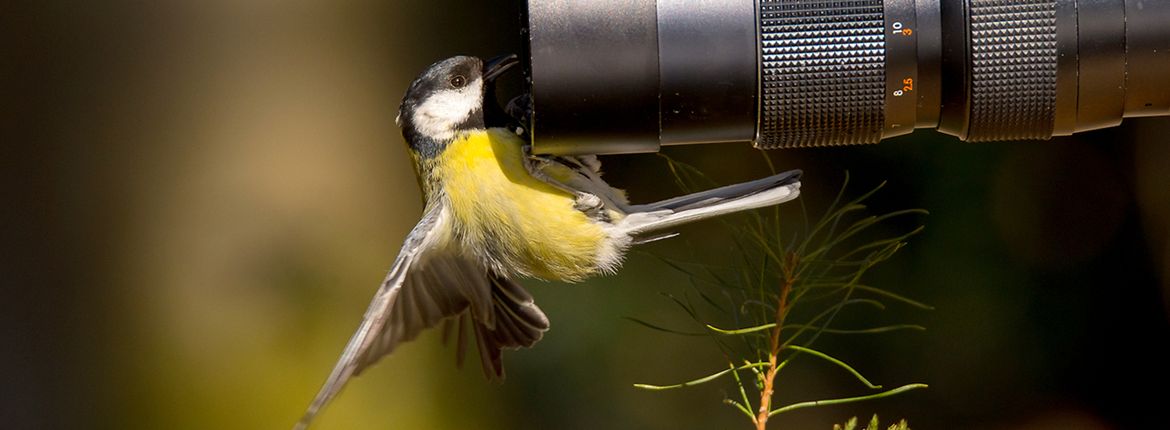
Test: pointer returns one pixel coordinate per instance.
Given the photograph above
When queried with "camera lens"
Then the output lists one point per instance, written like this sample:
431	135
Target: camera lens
612	76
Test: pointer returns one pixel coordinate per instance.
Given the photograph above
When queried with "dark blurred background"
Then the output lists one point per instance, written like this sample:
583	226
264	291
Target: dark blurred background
200	198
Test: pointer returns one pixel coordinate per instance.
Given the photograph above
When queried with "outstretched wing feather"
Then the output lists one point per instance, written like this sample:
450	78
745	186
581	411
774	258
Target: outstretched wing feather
430	282
413	296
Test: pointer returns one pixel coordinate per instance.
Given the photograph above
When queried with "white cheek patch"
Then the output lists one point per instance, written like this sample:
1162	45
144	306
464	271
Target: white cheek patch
438	115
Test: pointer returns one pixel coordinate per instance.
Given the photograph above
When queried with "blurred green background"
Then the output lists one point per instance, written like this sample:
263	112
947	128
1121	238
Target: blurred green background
203	195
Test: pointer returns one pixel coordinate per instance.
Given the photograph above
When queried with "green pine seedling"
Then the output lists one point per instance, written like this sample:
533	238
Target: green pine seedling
789	287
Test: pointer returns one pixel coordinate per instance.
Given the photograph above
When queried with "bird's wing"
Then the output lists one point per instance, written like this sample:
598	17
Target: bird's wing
588	169
428	283
581	176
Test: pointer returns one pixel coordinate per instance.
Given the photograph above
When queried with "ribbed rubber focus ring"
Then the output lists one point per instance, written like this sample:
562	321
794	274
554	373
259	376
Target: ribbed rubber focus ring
1013	69
822	72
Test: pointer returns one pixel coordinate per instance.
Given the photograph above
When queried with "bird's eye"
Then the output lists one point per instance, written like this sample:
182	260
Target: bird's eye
458	81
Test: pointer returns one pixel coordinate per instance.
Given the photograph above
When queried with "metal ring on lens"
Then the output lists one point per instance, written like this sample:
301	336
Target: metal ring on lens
901	39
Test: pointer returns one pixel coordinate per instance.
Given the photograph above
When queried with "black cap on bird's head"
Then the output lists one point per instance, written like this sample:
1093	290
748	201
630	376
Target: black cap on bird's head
446	99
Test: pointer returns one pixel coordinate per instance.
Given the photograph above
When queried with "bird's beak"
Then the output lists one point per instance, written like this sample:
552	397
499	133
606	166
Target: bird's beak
495	67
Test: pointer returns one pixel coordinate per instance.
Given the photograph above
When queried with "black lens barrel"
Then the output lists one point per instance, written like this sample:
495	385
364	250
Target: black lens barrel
1033	69
614	76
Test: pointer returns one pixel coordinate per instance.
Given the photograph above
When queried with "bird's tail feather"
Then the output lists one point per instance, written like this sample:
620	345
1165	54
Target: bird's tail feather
671	213
721	194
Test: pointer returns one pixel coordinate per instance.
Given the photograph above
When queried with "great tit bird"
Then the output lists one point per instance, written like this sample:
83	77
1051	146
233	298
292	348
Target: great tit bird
494	212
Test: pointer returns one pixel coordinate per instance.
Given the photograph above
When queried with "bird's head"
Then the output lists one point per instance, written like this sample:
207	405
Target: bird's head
446	99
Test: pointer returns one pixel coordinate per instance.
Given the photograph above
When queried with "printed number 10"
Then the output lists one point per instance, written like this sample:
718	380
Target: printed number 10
898	29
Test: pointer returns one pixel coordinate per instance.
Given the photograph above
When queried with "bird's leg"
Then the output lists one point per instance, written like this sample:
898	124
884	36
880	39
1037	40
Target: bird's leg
584	202
520	110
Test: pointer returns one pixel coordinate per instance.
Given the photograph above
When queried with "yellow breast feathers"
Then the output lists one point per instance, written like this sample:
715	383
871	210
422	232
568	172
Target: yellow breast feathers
524	225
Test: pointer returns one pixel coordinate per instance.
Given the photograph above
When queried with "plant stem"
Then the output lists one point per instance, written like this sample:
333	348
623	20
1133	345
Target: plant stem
774	352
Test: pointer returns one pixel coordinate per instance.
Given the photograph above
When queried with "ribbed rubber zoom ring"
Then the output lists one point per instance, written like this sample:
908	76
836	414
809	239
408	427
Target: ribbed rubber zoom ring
823	72
1013	69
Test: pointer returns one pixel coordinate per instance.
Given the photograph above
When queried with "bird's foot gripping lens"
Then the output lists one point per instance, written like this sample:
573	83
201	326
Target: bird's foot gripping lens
495	67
